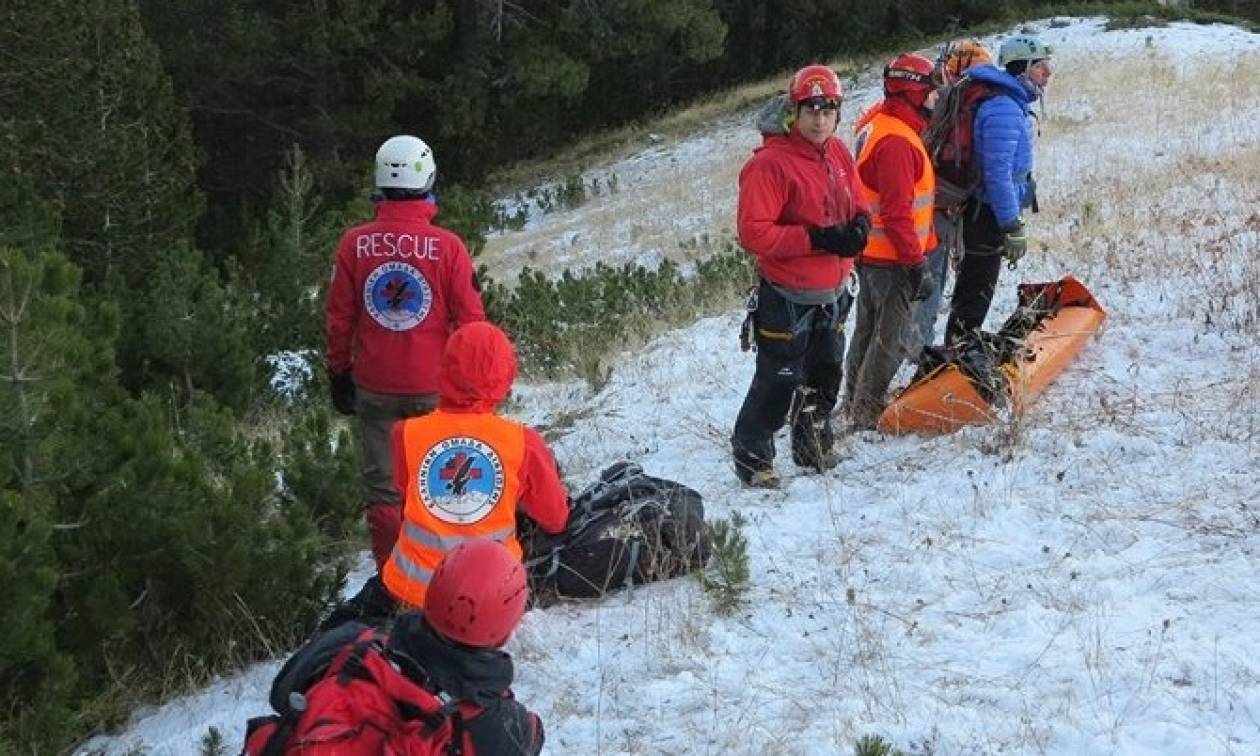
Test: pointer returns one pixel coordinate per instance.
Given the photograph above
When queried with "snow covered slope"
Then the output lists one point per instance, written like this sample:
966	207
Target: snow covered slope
1081	580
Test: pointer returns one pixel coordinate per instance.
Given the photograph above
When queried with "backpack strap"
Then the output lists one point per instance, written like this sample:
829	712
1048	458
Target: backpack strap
449	711
280	736
632	562
354	665
456	746
406	692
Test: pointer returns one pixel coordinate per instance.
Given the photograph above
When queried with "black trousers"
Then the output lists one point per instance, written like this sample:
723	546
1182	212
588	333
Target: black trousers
983	245
797	345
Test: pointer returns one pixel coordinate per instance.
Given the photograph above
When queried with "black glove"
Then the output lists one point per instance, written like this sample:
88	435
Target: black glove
342	385
846	241
861	225
920	281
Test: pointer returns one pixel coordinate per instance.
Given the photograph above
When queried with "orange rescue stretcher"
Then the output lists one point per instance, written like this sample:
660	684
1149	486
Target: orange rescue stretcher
1049	328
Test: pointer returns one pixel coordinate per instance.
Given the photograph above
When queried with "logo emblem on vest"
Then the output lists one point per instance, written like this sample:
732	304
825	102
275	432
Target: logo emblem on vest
397	296
461	480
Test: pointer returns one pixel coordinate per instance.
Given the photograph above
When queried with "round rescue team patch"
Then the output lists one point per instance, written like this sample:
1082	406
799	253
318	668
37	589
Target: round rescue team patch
461	479
397	296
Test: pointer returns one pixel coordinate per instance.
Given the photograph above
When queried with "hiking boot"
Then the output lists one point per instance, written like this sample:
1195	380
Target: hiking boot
817	460
813	440
754	470
764	478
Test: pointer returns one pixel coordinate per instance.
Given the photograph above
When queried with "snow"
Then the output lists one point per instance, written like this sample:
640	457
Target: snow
1079	580
290	372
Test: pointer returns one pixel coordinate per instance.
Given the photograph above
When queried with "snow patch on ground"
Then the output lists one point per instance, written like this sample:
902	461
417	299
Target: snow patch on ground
1080	580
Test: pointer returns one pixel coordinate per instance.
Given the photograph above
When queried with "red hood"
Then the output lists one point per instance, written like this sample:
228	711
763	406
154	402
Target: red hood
907	107
478	368
795	142
875	109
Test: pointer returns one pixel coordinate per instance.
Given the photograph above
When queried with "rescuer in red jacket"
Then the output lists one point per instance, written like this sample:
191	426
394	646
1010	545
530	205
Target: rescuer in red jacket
802	215
400	285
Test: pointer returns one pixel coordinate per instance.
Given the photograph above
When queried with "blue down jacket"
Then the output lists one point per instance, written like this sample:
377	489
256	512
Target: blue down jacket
1003	140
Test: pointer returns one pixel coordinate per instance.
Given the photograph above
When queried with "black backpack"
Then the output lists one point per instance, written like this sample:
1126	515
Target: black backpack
628	528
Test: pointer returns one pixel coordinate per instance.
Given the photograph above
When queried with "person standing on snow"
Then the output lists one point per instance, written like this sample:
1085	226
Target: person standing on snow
898	184
959	56
463	470
802	216
1003	147
400	285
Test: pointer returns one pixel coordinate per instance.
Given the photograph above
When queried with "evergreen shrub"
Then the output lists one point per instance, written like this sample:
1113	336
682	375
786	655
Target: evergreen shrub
567	325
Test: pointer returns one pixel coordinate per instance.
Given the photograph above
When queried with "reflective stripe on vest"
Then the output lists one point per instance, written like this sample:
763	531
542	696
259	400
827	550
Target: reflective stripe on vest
463	483
448	542
878	245
409	568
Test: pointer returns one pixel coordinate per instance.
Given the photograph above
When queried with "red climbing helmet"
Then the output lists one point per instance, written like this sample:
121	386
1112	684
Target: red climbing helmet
477	594
908	72
812	82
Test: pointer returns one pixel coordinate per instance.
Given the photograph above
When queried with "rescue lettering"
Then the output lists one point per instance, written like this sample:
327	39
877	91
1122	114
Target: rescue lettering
390	244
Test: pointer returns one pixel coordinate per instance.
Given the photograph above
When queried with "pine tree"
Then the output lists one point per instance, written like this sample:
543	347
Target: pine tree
726	581
289	261
188	332
213	744
192	561
136	535
320	472
94	123
47	355
874	745
52	351
34	673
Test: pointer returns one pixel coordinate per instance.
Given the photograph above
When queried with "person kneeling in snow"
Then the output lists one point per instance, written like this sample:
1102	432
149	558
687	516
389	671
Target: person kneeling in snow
462	470
438	683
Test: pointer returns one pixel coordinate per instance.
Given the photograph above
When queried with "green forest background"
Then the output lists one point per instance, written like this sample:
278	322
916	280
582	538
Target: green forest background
173	178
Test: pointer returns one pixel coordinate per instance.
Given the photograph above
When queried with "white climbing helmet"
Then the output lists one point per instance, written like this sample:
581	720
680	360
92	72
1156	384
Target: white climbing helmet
405	162
1022	47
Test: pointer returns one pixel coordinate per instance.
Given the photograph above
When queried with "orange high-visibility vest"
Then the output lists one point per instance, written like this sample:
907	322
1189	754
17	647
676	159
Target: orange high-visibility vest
878	245
463	482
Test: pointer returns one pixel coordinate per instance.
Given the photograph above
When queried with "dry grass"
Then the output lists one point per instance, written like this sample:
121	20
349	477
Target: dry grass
1150	196
675	195
615	144
1162	161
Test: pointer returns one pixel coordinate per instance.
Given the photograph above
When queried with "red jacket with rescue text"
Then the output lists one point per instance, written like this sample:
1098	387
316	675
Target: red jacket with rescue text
400	285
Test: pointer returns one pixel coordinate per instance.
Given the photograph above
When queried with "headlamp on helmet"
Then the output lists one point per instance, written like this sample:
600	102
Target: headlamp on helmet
814	82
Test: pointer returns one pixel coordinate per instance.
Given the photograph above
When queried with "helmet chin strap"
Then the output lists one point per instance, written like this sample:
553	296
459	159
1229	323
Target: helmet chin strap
1040	91
1034	86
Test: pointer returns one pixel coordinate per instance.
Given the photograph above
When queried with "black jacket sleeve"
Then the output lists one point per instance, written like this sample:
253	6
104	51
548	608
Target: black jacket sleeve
506	727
